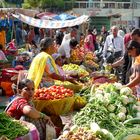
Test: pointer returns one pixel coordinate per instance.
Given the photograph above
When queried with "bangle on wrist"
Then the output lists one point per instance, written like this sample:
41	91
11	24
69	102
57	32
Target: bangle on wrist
42	115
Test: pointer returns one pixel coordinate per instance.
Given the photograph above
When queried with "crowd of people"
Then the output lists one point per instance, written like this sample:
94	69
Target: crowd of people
46	52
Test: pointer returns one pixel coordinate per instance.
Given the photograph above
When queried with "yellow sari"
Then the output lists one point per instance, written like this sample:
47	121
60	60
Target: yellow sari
37	67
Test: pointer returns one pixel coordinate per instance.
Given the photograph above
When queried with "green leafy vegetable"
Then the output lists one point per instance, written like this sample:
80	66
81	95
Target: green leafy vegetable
10	128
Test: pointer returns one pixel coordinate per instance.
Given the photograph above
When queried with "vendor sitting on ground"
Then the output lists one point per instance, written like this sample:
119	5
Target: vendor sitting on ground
22	59
43	70
22	107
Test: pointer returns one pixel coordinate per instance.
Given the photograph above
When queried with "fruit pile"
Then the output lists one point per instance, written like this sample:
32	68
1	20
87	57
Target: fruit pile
90	60
90	56
91	63
77	55
73	68
52	93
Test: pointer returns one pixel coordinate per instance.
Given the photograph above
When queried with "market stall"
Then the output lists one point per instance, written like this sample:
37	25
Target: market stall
111	113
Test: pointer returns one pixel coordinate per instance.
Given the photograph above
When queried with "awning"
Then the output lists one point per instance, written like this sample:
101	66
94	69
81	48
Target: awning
64	16
54	24
46	15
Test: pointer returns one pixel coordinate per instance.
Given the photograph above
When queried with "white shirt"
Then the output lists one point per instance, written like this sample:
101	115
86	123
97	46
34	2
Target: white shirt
64	49
116	43
121	33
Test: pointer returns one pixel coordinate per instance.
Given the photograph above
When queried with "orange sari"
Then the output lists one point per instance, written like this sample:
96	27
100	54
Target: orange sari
3	39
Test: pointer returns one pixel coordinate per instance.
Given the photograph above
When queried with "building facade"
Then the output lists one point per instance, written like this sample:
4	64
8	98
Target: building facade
109	12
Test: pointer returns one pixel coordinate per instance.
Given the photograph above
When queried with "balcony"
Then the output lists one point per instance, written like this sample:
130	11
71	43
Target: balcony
102	5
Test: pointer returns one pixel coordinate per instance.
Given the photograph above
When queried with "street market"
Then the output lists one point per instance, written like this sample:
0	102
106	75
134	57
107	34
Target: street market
63	81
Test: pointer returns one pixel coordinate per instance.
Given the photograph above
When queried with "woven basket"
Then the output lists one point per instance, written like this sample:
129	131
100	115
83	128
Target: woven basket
55	107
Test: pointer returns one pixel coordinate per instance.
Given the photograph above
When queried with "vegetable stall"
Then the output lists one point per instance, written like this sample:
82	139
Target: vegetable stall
104	110
111	113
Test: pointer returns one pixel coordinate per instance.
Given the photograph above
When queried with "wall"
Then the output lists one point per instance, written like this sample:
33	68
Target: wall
129	17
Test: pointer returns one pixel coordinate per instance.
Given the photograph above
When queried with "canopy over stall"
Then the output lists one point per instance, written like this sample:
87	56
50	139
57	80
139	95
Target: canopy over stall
46	15
64	16
52	24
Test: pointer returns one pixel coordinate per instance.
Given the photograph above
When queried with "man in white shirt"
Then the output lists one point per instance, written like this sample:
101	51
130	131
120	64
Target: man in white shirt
115	43
64	49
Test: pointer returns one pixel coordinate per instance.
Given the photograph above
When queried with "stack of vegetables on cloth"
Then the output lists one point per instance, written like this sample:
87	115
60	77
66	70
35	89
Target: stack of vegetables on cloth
112	110
11	129
21	107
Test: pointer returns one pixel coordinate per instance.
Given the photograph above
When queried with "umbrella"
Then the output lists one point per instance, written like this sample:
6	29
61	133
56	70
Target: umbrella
64	16
46	15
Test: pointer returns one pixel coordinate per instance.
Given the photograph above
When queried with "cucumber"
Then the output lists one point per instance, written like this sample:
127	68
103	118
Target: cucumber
129	134
132	121
132	137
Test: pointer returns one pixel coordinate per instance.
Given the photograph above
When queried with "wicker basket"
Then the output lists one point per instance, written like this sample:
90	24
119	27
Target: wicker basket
55	107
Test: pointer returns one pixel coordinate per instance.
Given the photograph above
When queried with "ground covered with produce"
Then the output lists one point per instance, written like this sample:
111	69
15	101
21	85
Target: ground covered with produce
107	111
96	107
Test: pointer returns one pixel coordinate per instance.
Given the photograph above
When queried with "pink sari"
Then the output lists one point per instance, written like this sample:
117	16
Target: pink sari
89	43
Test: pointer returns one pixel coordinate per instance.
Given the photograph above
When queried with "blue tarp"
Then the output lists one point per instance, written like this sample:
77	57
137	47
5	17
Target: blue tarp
64	16
6	22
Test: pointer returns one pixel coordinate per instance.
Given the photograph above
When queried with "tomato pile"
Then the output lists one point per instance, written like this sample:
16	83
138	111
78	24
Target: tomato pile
52	93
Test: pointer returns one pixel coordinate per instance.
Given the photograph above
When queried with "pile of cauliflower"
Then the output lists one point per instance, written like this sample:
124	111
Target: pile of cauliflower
119	100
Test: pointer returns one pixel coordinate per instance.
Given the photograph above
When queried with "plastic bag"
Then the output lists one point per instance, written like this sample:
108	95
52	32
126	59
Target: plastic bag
50	132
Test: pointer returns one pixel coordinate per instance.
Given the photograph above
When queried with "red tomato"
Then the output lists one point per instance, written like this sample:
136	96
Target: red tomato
56	97
41	98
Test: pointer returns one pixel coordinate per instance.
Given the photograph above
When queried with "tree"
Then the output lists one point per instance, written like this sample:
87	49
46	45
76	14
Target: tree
2	4
43	4
31	3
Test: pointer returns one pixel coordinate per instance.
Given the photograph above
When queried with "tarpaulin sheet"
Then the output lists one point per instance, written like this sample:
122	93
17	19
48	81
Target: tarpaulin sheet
52	24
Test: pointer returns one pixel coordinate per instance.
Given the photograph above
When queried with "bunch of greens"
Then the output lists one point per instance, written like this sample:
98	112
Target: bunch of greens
10	128
85	92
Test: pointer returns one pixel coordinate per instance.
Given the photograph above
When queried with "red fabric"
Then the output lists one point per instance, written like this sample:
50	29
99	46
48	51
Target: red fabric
12	45
127	38
16	108
8	73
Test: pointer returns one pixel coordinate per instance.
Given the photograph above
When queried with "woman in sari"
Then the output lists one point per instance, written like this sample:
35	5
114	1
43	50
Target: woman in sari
89	41
43	70
22	107
134	51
